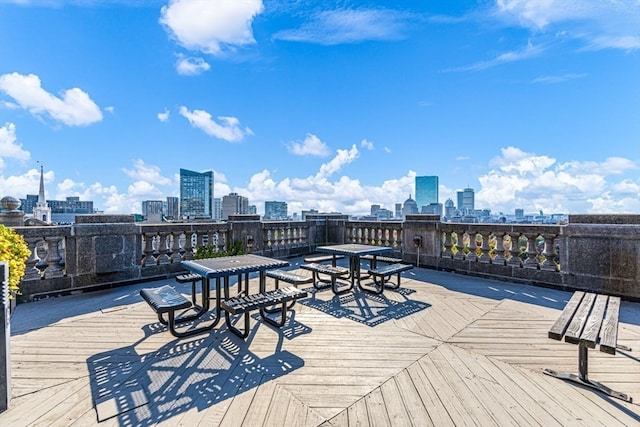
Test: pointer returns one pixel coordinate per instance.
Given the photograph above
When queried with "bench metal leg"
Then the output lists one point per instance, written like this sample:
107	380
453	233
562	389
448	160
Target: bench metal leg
283	315
278	309
583	376
174	320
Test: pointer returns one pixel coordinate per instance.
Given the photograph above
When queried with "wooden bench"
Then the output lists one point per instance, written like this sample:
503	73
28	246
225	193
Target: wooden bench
166	300
382	277
588	320
323	258
334	272
244	304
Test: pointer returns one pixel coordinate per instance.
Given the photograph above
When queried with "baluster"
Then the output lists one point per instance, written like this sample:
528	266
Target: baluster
485	256
53	258
163	249
147	257
549	254
31	271
532	252
473	246
459	255
176	256
514	251
448	244
499	259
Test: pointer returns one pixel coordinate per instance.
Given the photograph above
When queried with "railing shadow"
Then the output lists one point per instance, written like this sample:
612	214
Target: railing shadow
363	307
183	375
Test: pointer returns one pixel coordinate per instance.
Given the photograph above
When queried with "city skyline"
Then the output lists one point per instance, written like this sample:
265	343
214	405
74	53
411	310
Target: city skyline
328	106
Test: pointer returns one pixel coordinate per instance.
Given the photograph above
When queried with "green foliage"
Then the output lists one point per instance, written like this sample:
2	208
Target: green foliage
211	251
15	251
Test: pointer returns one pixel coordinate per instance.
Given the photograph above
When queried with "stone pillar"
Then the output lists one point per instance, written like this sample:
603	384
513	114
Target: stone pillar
601	254
422	243
11	216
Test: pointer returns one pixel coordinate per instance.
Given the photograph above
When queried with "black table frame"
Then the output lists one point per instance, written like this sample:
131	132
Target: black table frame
223	268
354	251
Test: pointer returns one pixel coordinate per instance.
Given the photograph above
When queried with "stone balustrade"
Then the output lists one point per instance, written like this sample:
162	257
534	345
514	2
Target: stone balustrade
594	252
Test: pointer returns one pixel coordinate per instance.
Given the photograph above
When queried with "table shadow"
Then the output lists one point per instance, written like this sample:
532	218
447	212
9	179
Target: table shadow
364	307
182	375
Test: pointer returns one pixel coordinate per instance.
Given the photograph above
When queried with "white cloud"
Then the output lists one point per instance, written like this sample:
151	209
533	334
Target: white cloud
527	52
9	146
601	23
164	116
333	27
342	158
73	108
558	79
228	128
311	146
19	186
365	143
212	26
538	182
148	173
190	66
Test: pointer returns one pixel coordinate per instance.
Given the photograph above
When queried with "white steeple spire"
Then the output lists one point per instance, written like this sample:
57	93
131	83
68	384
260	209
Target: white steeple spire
42	211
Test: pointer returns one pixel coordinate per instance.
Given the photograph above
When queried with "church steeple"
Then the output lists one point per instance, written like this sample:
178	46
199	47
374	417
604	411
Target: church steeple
41	198
42	211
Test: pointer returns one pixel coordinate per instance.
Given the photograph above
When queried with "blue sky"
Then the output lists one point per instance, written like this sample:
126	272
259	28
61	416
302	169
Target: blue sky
328	105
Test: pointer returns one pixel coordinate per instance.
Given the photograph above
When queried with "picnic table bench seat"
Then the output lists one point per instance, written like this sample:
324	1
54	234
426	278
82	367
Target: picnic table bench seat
244	304
334	272
589	320
382	277
323	258
166	300
382	258
192	278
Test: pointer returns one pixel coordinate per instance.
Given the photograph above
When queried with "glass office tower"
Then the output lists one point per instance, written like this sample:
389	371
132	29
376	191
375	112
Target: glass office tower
426	191
196	194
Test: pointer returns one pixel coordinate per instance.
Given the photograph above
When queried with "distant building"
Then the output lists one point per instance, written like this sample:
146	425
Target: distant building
426	190
409	207
196	194
519	213
398	210
173	208
432	209
234	204
308	212
466	200
449	209
275	210
150	207
217	208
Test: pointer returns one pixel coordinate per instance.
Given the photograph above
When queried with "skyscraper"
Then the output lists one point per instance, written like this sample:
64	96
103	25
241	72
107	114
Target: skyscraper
426	190
466	200
233	204
196	194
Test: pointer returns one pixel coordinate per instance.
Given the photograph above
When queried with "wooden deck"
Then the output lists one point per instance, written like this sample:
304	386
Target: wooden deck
443	350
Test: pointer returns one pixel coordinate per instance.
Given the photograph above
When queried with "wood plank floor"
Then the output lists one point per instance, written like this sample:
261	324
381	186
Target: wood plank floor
443	350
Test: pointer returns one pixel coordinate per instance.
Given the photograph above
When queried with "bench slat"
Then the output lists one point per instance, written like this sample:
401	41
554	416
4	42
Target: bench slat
558	329
326	269
244	303
576	326
164	299
609	334
385	259
323	258
388	270
288	276
591	330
